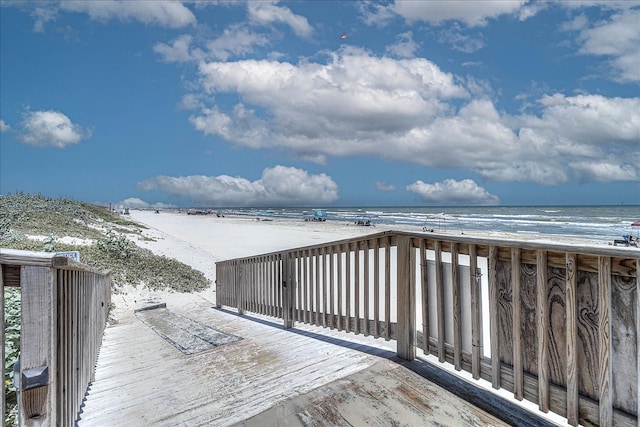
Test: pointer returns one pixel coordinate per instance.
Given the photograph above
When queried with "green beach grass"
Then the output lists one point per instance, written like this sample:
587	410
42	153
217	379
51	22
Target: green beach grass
39	223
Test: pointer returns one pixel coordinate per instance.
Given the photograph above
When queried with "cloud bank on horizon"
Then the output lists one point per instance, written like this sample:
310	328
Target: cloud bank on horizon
220	103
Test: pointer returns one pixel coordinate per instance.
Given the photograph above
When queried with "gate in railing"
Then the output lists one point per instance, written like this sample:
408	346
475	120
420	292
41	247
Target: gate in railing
64	309
562	320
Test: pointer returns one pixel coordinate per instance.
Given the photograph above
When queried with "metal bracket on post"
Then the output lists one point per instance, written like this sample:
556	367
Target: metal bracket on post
34	378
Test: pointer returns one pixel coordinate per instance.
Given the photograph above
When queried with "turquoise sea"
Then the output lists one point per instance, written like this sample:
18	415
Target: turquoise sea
597	222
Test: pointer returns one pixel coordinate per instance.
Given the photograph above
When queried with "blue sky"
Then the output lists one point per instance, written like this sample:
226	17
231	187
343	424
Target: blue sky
246	103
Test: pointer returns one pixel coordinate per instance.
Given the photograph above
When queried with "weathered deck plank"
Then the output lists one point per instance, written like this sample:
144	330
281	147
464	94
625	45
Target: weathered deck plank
272	372
384	394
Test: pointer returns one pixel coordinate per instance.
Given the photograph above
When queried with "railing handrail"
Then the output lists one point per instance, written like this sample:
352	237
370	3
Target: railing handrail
44	259
506	242
563	282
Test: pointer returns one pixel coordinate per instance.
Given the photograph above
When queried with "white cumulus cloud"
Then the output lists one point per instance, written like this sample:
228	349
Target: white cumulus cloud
178	51
171	14
279	185
355	103
137	203
51	129
410	110
618	39
472	13
404	47
334	107
451	192
268	12
4	126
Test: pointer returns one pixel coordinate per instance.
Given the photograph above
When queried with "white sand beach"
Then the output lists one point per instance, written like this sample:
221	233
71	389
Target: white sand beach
202	240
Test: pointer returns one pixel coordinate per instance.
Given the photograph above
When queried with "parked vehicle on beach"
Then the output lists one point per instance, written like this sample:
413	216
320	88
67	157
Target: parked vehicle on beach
197	212
317	215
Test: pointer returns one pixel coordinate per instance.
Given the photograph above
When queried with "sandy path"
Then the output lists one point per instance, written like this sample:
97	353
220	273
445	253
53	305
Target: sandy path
200	241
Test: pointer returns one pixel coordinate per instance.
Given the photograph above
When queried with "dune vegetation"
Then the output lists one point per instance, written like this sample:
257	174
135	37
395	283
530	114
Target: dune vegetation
105	242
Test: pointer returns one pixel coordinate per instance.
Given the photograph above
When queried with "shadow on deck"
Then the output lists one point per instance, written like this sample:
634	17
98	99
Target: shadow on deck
274	376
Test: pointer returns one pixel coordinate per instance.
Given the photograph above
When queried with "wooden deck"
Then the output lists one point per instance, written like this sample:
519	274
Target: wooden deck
272	376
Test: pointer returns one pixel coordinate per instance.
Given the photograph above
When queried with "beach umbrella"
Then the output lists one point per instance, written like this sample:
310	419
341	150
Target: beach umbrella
635	224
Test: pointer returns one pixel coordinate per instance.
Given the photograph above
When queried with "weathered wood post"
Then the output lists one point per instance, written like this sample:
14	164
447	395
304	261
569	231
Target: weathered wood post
288	288
218	286
239	277
406	290
37	347
605	375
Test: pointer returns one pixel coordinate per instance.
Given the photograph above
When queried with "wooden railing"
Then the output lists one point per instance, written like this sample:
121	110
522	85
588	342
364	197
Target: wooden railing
64	309
562	320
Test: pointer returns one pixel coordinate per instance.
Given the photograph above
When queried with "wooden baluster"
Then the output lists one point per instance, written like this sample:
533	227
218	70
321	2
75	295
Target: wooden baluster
424	282
605	376
356	291
573	410
406	309
324	287
316	286
339	288
440	302
348	289
366	288
457	309
476	312
542	320
387	289
300	287
494	318
376	288
332	283
518	375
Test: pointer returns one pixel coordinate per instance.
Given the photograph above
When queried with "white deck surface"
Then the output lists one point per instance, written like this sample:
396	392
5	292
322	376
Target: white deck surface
272	376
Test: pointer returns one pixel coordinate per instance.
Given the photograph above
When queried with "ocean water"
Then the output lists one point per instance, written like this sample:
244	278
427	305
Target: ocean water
596	222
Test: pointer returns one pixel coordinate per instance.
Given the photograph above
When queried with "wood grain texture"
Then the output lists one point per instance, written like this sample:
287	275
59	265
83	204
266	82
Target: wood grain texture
249	382
528	316
624	333
37	343
366	288
387	287
406	300
476	312
516	322
457	308
376	287
356	289
573	409
424	283
605	392
494	323
440	307
542	326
